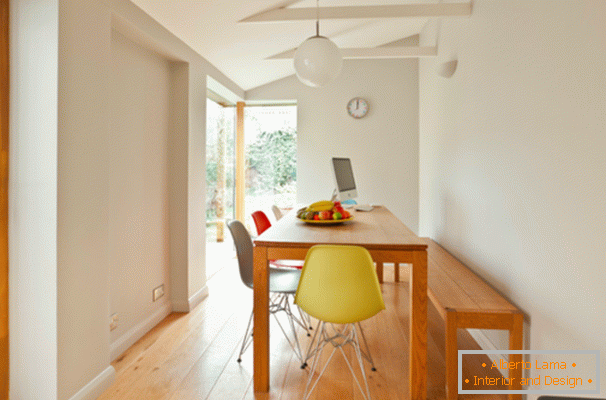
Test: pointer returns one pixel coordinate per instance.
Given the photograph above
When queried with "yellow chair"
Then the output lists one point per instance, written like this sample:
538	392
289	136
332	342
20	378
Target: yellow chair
338	285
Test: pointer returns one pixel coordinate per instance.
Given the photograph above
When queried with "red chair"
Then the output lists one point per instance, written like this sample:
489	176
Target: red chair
262	223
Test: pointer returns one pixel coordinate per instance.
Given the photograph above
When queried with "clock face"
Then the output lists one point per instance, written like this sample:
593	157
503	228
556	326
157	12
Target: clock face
357	107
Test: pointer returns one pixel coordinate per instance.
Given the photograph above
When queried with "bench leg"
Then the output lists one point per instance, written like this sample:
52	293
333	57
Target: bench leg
452	384
516	334
380	271
396	272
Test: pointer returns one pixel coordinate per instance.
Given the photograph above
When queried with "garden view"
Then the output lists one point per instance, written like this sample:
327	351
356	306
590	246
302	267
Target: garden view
270	159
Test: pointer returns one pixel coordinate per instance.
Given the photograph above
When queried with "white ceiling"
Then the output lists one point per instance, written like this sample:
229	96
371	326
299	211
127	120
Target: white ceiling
239	50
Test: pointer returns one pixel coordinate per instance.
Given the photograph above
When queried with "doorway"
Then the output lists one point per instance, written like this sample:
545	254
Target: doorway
270	133
220	183
251	163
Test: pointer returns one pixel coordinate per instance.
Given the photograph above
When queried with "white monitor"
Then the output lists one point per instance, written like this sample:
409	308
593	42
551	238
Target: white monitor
344	178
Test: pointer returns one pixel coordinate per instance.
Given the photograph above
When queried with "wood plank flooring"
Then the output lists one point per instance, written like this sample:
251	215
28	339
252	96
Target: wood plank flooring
193	356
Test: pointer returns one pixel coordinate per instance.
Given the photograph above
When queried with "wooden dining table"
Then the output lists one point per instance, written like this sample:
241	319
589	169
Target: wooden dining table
386	238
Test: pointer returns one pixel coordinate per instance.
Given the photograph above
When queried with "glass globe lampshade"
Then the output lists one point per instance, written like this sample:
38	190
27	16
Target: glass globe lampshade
318	61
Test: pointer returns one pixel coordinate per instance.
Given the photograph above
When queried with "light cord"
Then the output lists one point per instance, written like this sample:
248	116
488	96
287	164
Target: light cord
317	17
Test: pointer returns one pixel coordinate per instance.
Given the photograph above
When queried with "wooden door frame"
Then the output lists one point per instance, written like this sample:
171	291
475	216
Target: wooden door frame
240	163
4	109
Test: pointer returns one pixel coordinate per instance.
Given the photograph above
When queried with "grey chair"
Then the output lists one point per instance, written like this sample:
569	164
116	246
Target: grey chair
283	284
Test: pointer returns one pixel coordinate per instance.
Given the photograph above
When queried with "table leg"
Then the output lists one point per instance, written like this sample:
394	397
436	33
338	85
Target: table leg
380	271
261	320
418	326
516	342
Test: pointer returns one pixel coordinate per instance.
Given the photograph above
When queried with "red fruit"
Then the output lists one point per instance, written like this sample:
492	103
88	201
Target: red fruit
316	217
325	215
345	214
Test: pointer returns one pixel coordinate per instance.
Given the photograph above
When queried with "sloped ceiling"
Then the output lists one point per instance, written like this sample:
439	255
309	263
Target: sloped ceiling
240	50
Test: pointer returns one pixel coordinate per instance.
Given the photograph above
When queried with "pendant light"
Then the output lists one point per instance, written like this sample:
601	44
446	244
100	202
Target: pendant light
317	60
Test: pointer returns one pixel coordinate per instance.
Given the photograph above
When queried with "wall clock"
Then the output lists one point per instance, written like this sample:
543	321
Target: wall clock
357	107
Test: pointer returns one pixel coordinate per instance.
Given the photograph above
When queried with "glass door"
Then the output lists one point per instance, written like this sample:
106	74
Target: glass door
220	182
271	159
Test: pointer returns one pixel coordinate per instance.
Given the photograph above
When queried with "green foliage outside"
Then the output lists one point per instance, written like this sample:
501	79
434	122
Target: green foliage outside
220	129
272	162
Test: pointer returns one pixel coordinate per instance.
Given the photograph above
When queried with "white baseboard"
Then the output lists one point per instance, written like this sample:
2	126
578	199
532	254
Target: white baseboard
198	297
485	344
121	344
97	386
192	302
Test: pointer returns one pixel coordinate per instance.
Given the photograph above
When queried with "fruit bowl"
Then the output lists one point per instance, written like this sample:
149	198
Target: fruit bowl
324	212
325	221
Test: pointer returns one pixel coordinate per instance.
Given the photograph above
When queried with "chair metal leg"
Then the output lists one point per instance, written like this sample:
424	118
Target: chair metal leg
281	302
315	362
294	343
303	319
356	345
310	352
247	338
339	339
306	319
366	354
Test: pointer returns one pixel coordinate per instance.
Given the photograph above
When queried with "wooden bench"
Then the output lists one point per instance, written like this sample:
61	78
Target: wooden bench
465	301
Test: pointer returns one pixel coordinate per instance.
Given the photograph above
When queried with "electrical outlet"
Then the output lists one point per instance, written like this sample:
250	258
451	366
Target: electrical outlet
158	292
113	321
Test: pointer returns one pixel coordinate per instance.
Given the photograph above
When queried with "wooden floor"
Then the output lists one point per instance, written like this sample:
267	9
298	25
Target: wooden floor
193	356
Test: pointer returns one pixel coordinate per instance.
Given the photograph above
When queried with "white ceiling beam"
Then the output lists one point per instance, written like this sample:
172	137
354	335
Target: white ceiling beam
373	52
363	12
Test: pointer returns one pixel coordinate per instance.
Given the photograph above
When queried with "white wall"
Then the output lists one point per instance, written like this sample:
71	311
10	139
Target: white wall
60	188
82	194
33	199
383	146
512	165
139	246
